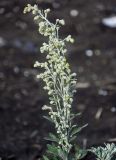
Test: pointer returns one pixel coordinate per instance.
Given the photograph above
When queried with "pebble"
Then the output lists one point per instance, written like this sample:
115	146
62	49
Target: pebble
102	92
26	73
16	69
17	96
2	10
109	22
33	134
2	75
74	13
83	85
113	109
25	123
17	119
97	52
2	42
89	53
99	113
101	7
21	25
24	92
81	107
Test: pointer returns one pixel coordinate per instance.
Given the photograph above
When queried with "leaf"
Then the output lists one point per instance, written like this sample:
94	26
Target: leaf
71	157
80	153
52	149
72	139
52	138
45	158
48	118
74	116
77	130
57	152
71	128
105	153
62	154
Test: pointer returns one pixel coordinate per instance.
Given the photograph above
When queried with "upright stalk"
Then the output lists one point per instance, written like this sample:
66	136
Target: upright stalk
59	81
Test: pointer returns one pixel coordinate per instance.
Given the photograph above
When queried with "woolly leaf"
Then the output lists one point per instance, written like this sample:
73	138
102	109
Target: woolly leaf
52	149
62	154
104	153
77	130
72	138
52	138
80	153
48	118
45	158
74	116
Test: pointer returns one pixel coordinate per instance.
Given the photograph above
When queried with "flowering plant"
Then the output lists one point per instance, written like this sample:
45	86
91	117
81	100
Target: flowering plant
60	85
104	153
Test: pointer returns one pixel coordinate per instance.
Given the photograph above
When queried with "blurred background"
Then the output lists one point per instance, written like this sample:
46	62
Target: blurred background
92	23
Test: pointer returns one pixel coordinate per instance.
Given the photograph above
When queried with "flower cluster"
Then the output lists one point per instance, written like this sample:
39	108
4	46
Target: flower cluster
59	81
60	85
104	153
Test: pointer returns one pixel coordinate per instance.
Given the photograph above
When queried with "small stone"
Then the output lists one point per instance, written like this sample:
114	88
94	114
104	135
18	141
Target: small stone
83	85
2	42
25	123
21	24
17	96
16	70
2	75
26	73
102	92
113	109
24	92
81	107
109	22
101	7
33	134
89	53
74	13
97	52
99	113
2	10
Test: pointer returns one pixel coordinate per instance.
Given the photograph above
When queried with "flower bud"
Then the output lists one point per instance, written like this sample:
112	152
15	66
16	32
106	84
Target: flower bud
62	22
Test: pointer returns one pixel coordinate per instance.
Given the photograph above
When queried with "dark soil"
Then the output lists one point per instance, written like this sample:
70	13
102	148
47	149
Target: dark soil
92	57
